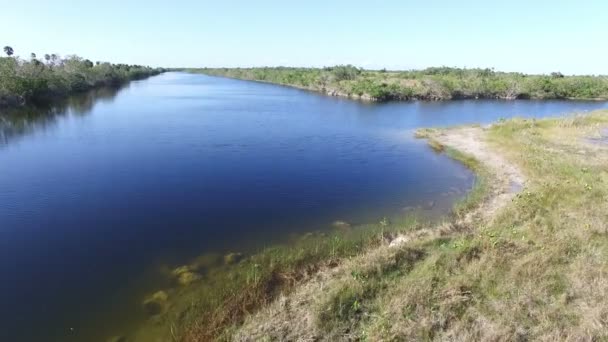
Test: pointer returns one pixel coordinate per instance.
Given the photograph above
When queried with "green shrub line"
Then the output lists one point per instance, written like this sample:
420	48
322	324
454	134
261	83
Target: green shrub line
442	83
24	81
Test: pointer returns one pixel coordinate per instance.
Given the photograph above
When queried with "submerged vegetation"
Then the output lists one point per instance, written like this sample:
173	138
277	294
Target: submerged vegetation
35	79
429	84
533	268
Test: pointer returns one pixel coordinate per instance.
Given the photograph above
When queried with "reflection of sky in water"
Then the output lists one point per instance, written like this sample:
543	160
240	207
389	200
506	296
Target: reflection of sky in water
181	164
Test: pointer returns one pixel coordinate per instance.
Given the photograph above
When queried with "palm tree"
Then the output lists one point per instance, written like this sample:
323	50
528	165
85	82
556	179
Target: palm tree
47	57
8	51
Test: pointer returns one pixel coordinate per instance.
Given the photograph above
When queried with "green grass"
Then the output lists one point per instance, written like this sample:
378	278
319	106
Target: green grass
229	292
479	191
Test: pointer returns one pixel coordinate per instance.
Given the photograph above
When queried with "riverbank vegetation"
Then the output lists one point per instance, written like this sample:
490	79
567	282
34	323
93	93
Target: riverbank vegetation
37	79
429	84
524	259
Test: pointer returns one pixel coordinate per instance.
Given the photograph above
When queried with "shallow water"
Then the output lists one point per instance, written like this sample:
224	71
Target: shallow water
99	191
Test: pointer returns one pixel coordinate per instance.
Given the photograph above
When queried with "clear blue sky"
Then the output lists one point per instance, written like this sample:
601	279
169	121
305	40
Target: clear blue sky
533	36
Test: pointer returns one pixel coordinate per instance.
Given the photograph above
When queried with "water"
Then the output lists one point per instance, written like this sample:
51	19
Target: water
99	191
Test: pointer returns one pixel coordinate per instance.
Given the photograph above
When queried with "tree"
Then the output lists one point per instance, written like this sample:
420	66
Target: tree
345	72
47	57
33	55
8	51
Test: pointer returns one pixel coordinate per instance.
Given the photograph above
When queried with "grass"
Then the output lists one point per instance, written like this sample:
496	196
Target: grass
229	293
536	272
479	192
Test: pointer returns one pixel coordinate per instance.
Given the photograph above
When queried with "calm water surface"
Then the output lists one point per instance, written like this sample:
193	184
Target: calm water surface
97	192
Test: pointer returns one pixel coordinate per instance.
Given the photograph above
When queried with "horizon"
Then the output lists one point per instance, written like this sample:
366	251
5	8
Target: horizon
514	37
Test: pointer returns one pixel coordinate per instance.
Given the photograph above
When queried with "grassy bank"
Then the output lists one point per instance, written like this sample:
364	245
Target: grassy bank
24	81
428	84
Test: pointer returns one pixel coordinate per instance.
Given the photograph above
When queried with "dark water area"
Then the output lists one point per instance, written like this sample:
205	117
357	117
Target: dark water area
99	191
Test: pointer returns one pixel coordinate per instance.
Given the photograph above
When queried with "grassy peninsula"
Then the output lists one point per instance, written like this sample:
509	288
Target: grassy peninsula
523	258
441	83
23	81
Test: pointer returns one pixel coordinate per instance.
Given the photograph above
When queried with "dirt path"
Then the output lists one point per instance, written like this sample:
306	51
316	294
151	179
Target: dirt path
505	182
508	179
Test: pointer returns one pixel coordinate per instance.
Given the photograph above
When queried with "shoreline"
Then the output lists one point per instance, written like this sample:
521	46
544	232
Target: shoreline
464	144
328	268
487	274
17	102
367	97
508	254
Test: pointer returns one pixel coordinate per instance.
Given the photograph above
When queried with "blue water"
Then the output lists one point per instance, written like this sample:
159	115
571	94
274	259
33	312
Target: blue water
97	190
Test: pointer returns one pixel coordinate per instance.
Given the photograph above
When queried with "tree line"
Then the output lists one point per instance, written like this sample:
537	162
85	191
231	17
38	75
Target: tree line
37	79
437	83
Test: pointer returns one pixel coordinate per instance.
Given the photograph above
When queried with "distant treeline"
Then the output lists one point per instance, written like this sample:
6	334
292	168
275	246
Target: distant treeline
35	79
441	83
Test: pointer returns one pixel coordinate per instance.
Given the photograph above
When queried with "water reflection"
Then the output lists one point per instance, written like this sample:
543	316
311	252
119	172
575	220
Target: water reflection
17	122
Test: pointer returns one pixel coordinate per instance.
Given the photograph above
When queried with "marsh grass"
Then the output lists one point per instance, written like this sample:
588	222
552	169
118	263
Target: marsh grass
228	293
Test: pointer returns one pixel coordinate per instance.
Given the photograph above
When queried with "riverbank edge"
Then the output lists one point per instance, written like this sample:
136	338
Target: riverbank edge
15	102
323	91
335	92
498	182
526	264
248	297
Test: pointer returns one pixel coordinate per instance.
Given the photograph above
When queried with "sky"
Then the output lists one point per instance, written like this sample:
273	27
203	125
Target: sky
533	36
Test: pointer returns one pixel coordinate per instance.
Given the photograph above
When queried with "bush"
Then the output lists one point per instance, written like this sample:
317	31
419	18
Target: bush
443	83
345	72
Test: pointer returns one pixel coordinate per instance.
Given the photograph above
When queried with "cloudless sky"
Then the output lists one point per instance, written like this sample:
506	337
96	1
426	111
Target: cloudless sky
533	36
